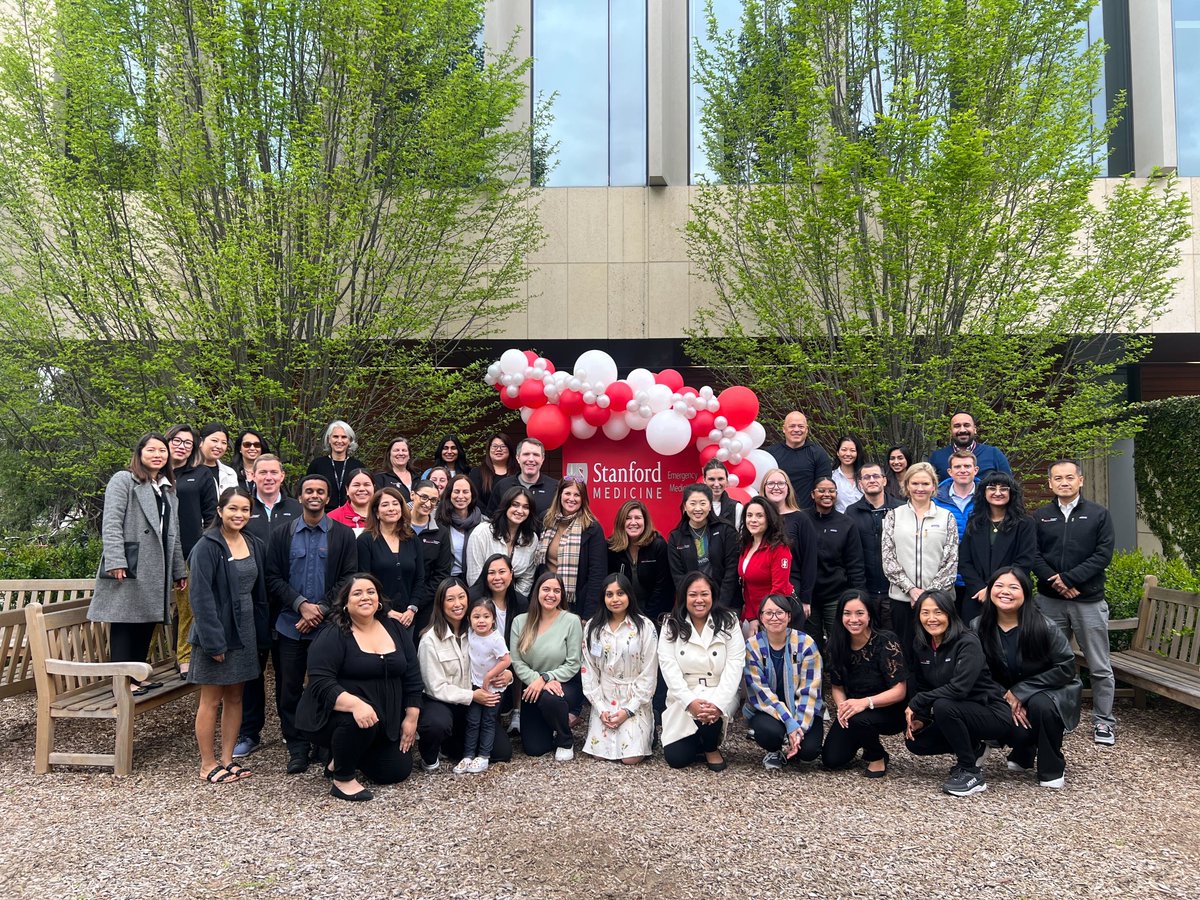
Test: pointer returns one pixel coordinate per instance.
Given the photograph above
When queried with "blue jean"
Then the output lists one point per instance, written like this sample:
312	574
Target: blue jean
481	730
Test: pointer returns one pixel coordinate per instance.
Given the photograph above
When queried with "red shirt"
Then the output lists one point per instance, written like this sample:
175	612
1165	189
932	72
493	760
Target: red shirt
347	516
767	572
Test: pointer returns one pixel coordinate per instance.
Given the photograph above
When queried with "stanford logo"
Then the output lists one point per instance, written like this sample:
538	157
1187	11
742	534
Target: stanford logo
578	471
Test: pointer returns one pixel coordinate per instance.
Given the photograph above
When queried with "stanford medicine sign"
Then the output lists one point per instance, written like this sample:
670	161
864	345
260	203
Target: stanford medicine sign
642	437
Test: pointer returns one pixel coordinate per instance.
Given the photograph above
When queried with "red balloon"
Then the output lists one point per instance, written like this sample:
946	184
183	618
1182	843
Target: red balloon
619	393
739	406
744	470
532	394
550	425
703	423
741	495
510	402
670	378
531	356
501	388
685	390
708	453
571	402
549	366
594	415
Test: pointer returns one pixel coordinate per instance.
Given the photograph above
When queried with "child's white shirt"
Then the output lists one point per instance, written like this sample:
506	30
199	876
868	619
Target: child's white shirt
485	651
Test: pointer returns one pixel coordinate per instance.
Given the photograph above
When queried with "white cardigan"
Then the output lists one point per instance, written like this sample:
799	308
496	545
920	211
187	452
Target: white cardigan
706	666
446	668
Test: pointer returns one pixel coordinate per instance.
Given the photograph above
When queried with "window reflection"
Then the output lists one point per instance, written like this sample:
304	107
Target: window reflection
1186	20
728	14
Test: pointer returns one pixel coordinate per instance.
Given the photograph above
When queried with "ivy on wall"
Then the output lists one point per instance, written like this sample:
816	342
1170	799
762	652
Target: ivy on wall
1167	471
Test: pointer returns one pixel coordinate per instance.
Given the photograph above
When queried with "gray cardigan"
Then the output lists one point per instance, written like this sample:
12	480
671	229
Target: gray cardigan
131	517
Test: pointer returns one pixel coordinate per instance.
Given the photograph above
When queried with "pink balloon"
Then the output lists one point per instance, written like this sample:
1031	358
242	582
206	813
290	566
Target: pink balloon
550	425
532	394
670	378
708	453
739	405
531	356
739	494
744	470
594	415
702	424
620	393
571	402
549	366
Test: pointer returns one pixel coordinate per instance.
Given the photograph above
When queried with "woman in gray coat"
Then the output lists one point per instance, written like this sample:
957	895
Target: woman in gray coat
142	554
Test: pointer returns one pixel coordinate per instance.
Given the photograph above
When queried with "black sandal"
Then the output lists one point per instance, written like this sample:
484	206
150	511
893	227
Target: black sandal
238	772
224	776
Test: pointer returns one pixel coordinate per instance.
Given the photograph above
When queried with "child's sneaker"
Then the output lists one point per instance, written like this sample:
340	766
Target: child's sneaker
478	765
514	724
464	766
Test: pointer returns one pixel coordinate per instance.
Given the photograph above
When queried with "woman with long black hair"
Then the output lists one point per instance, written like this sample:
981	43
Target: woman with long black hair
248	447
499	461
573	547
999	533
703	543
512	532
387	549
450	454
899	458
460	515
638	552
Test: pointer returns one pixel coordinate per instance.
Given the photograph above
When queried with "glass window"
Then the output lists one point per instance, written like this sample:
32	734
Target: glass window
728	14
592	57
1186	21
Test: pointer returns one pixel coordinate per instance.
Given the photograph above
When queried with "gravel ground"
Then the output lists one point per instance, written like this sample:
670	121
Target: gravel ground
1126	825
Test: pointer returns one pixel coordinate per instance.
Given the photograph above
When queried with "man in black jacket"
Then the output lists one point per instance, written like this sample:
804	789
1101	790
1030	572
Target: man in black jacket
803	460
307	563
868	514
1074	547
531	455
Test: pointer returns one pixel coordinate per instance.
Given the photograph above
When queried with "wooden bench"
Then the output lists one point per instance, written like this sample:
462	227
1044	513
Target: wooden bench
1164	656
16	670
75	680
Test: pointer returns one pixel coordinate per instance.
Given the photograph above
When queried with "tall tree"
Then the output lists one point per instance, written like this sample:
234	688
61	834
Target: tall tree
909	221
272	213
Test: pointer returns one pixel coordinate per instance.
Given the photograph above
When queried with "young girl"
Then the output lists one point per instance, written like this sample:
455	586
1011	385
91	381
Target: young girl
489	658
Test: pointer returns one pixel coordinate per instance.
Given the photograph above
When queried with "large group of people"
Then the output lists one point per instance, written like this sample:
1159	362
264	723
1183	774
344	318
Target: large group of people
407	614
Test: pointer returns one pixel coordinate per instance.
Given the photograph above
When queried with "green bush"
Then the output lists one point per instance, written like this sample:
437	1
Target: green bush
1125	576
75	554
1167	473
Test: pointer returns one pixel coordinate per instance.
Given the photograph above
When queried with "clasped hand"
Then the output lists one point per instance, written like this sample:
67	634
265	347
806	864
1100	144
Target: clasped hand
704	712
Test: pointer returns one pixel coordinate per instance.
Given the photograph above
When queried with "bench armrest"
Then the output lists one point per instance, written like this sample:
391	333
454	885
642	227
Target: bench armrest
139	670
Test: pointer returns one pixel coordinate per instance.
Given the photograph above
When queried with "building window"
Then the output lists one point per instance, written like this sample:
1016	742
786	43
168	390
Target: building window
728	14
592	58
1185	16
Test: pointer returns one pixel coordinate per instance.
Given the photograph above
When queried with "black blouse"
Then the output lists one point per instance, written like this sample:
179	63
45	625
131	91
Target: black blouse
873	669
402	573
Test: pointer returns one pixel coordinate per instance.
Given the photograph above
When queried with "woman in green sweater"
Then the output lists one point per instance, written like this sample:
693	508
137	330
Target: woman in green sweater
546	646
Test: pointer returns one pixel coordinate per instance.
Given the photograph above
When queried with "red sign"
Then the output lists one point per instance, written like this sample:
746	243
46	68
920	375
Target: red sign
619	471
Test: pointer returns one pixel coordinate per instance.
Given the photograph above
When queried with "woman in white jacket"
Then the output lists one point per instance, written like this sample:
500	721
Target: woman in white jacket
701	655
919	547
446	671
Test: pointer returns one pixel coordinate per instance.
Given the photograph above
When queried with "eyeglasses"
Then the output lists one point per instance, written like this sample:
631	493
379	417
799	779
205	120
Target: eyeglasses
870	478
182	442
997	489
251	445
775	484
774	614
425	498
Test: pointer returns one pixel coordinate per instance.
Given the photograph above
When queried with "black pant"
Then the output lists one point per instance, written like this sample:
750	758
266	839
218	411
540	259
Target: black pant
820	623
959	727
902	624
884	604
843	744
254	699
480	736
291	663
366	750
682	753
971	609
768	732
546	723
442	727
1042	738
129	641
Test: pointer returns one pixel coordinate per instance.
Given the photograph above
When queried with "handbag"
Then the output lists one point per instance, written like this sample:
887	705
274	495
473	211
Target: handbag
131	561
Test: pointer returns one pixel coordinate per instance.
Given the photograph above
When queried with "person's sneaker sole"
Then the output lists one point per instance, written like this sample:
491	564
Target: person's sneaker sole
1017	767
966	792
1055	783
1106	740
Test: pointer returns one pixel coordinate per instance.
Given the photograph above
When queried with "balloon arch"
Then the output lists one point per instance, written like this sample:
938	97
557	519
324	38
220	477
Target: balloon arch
643	436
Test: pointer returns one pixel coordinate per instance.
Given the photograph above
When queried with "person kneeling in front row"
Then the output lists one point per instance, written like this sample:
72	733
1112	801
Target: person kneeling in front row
701	655
783	687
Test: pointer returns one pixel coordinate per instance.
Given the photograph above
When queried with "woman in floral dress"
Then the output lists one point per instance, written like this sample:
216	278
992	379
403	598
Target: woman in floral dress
620	670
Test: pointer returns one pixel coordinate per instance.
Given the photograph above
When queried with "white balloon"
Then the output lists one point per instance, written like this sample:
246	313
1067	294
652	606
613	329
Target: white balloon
723	455
526	414
540	363
513	361
616	428
636	421
603	401
517	379
645	412
690	413
676	397
632	406
640	380
735	458
505	379
733	479
489	379
728	432
512	390
589	397
658	398
680	407
713	405
668	433
581	428
724	442
574	384
596	365
762	462
714	436
757	435
599	386
494	369
721	422
735	446
706	392
536	374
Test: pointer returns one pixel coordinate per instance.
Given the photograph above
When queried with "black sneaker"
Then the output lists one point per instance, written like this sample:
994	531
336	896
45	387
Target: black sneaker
964	783
297	762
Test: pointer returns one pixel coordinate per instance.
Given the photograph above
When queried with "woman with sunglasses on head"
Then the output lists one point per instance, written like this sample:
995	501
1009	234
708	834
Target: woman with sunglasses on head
434	544
338	463
498	462
511	532
395	472
196	493
248	447
999	533
573	547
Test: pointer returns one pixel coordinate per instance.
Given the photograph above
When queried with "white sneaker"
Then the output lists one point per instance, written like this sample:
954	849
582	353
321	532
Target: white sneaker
1014	766
564	754
1055	783
478	765
464	766
433	766
514	723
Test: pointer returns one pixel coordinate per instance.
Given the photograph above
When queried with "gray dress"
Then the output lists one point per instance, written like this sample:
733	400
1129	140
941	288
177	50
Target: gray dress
242	664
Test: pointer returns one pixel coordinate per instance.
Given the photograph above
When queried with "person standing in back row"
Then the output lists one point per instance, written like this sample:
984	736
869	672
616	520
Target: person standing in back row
1074	547
531	455
803	460
868	515
963	432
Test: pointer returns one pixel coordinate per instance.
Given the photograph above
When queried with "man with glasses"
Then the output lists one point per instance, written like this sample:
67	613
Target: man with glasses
531	455
957	495
868	514
436	550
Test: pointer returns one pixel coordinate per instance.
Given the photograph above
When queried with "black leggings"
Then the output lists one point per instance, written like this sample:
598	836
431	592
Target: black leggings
545	724
130	641
1043	738
443	726
959	727
682	753
843	744
364	749
768	732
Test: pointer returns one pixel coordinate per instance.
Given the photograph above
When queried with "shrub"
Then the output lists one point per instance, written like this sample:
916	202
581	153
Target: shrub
73	554
1167	472
1126	574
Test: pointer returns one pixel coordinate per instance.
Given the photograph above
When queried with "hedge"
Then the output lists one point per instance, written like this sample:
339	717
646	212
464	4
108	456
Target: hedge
1166	470
75	554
